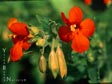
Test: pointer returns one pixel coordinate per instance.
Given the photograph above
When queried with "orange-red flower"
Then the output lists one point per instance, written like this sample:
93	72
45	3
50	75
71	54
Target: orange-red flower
87	2
20	38
76	30
107	2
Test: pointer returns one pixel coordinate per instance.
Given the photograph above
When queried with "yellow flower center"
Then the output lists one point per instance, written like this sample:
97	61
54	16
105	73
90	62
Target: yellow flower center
12	36
73	27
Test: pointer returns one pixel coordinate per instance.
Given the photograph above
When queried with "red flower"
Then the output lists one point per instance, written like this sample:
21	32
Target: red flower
76	30
87	2
20	38
107	2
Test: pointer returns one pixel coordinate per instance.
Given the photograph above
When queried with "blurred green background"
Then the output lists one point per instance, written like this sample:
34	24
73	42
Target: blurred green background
95	66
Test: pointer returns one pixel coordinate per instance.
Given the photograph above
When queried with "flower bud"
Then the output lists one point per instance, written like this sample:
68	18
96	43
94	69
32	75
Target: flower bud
101	45
61	62
5	35
53	63
40	42
90	57
34	30
42	64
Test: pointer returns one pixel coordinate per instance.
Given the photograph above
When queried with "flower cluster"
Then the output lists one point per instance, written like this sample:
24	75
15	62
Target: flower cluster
76	30
56	61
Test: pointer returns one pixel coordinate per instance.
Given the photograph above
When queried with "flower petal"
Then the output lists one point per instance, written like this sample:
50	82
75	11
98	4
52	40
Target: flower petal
19	29
75	15
107	2
66	21
80	43
26	45
11	21
87	27
16	51
64	33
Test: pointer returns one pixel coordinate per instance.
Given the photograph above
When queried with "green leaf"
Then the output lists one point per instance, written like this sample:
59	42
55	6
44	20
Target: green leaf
43	22
92	74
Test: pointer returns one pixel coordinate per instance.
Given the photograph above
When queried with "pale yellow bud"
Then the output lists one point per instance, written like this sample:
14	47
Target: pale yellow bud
5	35
42	64
61	62
53	63
40	42
90	57
34	30
101	44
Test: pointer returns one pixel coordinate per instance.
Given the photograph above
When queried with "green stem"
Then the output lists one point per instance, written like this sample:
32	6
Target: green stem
52	46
